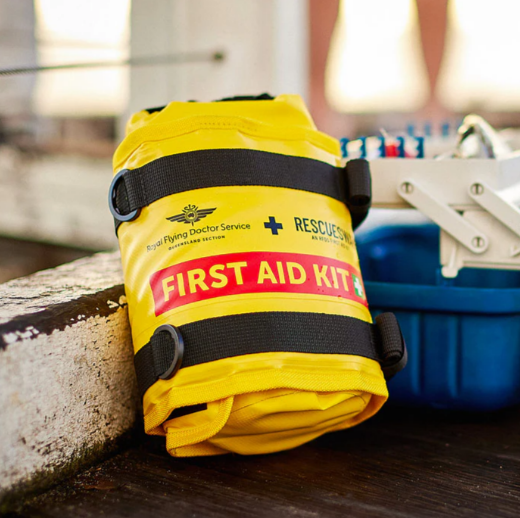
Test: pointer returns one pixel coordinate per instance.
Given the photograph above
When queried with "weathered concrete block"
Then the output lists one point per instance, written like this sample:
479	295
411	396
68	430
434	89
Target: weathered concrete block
67	381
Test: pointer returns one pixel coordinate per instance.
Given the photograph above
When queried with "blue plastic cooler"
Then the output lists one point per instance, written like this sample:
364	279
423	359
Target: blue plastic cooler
463	335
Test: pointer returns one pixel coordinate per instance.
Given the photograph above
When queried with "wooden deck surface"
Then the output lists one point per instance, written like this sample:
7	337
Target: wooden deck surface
402	463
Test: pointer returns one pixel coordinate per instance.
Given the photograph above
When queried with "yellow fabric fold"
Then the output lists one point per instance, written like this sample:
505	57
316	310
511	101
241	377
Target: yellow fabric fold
264	402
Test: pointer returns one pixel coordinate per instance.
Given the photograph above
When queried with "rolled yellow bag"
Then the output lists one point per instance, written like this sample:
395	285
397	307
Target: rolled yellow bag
249	319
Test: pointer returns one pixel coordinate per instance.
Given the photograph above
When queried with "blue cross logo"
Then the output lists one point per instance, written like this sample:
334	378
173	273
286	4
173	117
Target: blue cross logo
273	226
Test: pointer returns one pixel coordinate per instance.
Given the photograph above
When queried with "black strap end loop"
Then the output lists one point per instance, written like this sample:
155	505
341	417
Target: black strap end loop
392	345
359	190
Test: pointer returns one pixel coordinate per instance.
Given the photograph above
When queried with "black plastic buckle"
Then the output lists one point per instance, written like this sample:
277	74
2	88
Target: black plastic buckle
179	350
112	200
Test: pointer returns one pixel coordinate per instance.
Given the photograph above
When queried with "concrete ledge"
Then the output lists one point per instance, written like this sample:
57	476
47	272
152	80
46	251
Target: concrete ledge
67	382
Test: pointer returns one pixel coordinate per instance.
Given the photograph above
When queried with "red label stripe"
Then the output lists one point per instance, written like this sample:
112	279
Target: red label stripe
254	272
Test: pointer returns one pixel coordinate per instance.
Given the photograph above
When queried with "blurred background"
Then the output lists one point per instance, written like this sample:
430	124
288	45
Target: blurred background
408	66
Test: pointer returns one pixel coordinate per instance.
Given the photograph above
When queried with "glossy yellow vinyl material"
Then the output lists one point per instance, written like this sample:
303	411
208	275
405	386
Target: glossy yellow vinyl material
207	253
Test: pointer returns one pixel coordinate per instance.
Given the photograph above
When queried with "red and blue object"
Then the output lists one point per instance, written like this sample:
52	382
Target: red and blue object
383	147
462	334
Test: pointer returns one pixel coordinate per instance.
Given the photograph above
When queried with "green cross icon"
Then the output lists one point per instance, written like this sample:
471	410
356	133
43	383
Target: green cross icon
358	287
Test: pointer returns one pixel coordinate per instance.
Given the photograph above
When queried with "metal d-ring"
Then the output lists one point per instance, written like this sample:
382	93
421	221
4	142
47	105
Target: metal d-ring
179	350
112	201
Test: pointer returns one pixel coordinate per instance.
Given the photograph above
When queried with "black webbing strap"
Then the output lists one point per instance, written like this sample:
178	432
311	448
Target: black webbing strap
250	333
133	189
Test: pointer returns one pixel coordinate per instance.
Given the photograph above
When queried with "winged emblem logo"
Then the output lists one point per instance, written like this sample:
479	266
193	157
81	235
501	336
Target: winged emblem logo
191	214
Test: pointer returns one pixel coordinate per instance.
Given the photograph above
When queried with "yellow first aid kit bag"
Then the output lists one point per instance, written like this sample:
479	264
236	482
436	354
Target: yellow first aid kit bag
249	319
